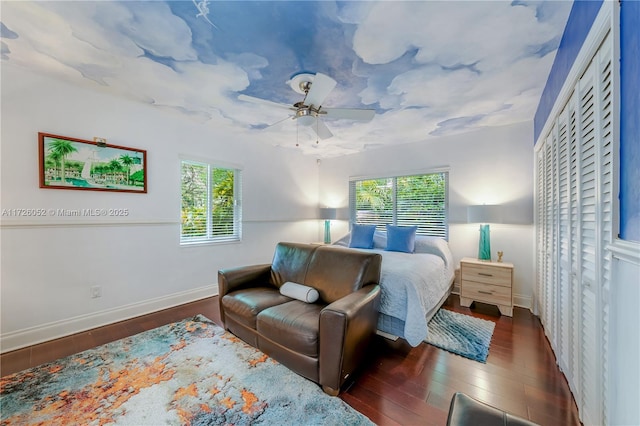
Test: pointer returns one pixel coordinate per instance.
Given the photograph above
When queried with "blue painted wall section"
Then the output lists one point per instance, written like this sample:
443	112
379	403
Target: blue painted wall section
630	120
581	18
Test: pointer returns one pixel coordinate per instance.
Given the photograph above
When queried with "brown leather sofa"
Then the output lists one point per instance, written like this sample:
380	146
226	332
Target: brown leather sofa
323	341
467	411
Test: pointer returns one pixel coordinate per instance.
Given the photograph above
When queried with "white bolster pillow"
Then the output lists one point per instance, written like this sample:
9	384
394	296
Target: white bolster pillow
298	291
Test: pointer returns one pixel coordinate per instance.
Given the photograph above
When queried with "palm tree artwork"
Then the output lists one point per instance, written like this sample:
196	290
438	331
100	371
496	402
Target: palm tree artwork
127	161
69	163
59	149
115	167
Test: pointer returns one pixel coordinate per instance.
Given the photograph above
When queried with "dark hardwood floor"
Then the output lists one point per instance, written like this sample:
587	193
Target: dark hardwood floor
401	385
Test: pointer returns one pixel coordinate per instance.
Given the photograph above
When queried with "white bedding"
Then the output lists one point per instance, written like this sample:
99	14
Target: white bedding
413	283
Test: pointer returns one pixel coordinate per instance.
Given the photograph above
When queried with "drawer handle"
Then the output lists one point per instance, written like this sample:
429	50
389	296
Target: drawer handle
484	274
485	292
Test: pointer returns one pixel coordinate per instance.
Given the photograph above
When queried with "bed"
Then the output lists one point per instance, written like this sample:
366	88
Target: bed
413	285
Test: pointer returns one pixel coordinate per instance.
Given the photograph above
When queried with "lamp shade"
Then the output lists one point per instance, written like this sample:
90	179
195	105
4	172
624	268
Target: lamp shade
327	213
484	214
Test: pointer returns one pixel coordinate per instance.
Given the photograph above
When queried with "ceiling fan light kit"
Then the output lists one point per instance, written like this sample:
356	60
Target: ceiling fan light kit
315	88
301	83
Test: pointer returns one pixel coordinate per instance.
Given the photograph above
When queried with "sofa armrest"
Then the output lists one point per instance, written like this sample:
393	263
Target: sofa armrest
346	329
242	277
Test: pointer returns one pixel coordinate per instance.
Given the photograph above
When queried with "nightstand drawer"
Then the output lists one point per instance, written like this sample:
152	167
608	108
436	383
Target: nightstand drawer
487	274
496	294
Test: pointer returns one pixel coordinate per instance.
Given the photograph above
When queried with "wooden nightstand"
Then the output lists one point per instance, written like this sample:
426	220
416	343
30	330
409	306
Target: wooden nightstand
487	282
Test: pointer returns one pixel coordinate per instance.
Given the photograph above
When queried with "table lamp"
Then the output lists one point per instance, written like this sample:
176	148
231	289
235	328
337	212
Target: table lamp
328	214
484	215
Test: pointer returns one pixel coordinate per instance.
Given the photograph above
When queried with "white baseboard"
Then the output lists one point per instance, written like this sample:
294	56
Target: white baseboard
522	301
54	330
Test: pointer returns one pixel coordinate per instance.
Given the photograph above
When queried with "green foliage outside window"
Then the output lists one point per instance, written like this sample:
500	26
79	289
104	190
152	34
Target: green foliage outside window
208	207
419	200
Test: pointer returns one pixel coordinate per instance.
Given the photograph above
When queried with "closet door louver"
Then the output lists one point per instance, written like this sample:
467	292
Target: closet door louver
564	306
606	205
541	253
573	373
588	199
550	234
574	225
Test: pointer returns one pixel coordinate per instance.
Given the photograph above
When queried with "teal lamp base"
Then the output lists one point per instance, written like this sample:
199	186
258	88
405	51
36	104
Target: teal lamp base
484	246
327	232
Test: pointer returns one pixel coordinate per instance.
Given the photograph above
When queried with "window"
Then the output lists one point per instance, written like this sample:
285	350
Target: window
210	203
420	200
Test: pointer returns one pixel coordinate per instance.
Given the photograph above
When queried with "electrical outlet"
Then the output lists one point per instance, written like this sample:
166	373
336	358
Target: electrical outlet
96	291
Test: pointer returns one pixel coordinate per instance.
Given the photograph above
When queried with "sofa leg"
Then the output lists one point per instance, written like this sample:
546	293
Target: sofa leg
330	391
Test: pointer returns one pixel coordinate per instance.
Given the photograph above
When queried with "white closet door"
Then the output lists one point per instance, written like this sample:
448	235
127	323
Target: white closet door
575	327
541	252
575	198
605	206
564	303
588	200
596	204
550	239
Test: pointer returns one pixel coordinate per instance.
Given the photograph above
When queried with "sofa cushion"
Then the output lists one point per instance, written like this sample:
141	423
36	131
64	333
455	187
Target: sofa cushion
298	291
290	262
294	325
337	271
244	305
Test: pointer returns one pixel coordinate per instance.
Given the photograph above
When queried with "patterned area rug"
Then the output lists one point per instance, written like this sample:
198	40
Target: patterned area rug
190	372
461	334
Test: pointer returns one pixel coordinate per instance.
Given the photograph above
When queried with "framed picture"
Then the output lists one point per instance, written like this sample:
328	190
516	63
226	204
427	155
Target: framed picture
69	163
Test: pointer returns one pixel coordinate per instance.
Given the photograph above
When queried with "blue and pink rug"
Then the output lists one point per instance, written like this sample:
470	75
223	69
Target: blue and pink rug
189	372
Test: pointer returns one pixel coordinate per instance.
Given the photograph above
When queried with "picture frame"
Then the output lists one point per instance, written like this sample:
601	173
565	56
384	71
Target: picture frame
77	164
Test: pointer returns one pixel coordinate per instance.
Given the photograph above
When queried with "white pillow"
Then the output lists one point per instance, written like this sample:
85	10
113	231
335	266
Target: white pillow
298	291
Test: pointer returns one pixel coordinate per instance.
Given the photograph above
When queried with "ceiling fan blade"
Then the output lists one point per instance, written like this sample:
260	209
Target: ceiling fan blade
320	88
321	129
264	102
349	113
291	117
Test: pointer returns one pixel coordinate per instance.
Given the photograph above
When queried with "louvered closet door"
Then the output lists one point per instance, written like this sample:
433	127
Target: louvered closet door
605	207
574	220
564	305
595	154
541	254
550	238
588	175
575	327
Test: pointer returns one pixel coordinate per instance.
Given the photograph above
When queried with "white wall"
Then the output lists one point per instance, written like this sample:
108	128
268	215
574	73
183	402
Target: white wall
490	166
624	349
48	264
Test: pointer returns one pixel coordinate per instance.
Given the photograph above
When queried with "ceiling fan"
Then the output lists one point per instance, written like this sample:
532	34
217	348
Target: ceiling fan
315	88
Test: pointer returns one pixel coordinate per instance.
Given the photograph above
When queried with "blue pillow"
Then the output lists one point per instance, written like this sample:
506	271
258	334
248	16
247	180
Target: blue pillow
401	238
362	236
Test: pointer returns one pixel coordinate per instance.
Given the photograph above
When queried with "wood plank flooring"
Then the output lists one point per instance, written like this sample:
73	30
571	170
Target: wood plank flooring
400	385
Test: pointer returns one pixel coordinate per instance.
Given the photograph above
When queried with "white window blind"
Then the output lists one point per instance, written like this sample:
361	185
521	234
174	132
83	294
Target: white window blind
420	200
210	203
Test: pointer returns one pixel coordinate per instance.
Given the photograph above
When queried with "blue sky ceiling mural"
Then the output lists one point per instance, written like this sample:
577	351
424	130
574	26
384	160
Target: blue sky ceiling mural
428	68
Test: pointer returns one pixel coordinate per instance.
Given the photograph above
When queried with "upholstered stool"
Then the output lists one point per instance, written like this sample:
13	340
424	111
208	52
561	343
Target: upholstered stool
465	410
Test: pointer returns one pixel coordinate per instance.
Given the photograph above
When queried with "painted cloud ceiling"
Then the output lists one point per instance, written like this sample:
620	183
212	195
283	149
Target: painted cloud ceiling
428	68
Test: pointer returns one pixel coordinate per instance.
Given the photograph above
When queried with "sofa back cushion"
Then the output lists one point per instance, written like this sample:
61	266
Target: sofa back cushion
336	271
290	263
